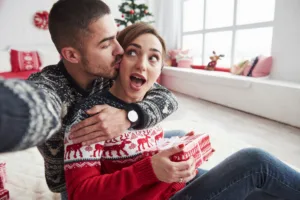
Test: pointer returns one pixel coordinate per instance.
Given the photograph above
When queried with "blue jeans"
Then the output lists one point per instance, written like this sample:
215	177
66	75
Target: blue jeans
250	174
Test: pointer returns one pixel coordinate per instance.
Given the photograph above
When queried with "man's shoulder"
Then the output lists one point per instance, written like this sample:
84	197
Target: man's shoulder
49	72
52	79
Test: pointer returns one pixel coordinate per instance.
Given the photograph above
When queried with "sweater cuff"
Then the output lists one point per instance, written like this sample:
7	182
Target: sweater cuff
144	171
14	118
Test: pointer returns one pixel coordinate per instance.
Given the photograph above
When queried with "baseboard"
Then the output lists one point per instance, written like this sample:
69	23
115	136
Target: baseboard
276	100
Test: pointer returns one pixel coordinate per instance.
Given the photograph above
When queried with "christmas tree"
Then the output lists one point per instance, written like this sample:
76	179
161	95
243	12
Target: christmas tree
132	13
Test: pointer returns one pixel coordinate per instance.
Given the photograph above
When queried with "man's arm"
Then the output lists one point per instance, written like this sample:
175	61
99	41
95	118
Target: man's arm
158	104
28	115
107	122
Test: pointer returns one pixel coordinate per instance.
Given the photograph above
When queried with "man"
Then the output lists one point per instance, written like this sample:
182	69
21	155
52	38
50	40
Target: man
84	33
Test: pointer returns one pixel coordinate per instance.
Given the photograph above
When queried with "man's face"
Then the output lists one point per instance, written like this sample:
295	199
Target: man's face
101	49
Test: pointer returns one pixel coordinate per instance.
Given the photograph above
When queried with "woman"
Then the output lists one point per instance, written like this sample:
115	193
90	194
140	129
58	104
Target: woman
117	169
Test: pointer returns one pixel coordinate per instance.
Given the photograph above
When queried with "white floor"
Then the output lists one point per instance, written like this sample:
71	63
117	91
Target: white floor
232	130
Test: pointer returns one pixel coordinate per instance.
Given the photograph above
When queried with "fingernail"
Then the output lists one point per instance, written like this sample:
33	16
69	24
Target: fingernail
197	171
180	146
84	143
190	133
71	137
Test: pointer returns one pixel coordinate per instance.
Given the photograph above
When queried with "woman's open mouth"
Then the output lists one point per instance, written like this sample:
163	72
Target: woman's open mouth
137	81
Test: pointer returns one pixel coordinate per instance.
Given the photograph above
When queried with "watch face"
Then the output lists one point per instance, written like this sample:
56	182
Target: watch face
132	116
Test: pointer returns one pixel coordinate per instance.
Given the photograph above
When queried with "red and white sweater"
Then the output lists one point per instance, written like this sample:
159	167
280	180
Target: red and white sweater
115	169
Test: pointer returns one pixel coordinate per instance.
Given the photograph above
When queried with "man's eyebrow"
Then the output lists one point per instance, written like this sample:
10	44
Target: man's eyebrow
106	39
139	47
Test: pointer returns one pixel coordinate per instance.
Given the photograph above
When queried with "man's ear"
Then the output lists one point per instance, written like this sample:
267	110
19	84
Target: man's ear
70	54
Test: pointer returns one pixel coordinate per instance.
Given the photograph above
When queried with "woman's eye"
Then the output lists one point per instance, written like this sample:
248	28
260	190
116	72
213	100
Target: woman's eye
153	58
131	53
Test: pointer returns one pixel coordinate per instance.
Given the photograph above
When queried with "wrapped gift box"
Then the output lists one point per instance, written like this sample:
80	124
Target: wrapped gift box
198	146
4	194
2	174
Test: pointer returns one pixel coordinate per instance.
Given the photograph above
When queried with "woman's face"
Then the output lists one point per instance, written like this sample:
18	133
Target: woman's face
140	66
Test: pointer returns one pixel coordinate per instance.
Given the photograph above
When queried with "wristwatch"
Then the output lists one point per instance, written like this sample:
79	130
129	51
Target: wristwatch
133	117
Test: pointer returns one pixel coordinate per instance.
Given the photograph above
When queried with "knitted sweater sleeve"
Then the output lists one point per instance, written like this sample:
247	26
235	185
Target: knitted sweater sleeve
158	104
84	179
28	115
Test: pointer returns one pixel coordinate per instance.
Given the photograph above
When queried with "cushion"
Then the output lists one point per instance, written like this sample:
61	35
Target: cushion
5	65
48	58
262	68
24	60
240	67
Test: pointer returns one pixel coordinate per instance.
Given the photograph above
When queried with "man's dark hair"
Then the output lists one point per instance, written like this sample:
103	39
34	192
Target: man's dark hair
69	21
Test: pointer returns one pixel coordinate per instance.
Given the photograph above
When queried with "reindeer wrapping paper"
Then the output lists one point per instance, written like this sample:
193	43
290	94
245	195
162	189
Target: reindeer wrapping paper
198	146
4	194
2	174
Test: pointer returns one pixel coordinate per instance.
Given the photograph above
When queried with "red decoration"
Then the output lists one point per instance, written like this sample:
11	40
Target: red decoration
40	20
122	16
4	194
132	12
118	25
214	59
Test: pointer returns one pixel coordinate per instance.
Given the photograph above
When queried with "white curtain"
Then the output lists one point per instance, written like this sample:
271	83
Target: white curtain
167	16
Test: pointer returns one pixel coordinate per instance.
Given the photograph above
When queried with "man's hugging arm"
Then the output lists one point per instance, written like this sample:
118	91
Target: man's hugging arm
28	115
158	104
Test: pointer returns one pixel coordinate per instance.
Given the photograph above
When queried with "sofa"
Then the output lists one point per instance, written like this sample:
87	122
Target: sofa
20	61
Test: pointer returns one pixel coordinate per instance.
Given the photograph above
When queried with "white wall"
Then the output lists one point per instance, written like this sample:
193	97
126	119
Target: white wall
286	41
114	7
16	22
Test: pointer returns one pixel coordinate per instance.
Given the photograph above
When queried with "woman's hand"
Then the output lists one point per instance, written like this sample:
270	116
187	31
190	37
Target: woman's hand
169	171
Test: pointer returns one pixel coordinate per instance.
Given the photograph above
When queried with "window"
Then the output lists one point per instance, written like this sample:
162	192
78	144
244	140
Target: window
239	29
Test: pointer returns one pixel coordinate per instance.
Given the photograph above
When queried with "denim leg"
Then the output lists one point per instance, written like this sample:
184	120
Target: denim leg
173	133
200	173
64	195
240	175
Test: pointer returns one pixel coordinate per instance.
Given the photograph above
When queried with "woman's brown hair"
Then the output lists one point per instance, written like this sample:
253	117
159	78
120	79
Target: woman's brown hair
130	33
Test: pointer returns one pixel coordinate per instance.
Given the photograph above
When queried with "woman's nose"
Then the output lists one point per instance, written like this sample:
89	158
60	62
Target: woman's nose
142	63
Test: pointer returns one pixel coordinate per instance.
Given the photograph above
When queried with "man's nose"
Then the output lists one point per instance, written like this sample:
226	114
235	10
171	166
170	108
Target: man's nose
118	50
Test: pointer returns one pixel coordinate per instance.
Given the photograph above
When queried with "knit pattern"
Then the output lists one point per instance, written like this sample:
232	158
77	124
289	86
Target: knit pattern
88	167
43	118
60	92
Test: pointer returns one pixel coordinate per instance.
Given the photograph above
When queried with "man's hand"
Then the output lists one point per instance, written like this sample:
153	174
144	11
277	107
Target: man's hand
170	172
105	123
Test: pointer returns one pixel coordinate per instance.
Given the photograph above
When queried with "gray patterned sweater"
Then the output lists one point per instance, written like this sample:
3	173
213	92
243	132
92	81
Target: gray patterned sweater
47	101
